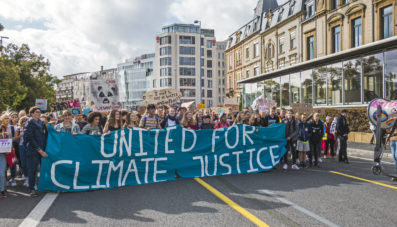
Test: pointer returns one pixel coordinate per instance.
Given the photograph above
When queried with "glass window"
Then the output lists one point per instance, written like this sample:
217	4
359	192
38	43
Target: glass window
269	51
256	71
310	47
209	63
352	81
334	84
320	85
295	81
187	61
272	89
187	82
307	86
334	4
247	73
372	77
209	83
166	82
209	43
209	73
165	51
285	90
293	40
165	71
391	74
165	40
187	71
247	52
209	93
188	92
336	39
186	50
387	21
202	52
209	53
356	32
281	45
165	61
186	40
256	50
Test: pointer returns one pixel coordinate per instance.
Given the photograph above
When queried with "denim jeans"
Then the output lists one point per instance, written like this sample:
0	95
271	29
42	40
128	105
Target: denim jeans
393	146
33	162
3	165
22	156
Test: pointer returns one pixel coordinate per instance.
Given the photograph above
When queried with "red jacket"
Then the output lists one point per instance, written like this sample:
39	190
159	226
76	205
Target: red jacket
328	131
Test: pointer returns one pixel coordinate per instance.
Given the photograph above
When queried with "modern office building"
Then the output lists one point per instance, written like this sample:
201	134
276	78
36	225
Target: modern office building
221	70
186	60
134	79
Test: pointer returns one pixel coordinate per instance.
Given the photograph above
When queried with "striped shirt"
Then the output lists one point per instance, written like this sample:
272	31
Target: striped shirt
149	122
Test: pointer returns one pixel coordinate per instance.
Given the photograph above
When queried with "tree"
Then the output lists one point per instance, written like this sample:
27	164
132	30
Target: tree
24	76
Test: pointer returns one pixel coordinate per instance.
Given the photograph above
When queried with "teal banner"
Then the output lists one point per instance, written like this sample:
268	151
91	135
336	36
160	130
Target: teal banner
136	156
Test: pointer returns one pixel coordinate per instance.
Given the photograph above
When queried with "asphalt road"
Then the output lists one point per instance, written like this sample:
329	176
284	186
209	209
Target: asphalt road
308	197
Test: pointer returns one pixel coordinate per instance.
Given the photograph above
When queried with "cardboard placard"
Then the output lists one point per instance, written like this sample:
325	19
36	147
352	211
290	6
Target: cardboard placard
5	145
105	95
306	108
162	97
42	104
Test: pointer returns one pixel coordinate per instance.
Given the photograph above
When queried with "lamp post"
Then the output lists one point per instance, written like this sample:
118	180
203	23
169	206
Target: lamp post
201	85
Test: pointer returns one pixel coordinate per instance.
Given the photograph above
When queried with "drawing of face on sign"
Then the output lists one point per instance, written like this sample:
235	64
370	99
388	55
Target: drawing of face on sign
105	93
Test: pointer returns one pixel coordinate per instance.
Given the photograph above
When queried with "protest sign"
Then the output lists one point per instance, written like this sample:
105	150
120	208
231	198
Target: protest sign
104	95
5	145
200	106
42	104
305	108
263	104
162	97
137	156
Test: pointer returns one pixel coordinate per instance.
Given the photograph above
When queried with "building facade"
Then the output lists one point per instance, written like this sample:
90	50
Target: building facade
344	57
186	60
221	71
64	90
134	78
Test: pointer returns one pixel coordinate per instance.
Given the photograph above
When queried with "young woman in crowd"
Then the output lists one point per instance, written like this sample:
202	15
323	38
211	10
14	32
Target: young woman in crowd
133	119
114	122
207	123
247	117
199	118
330	142
188	121
93	127
67	125
240	118
222	123
12	131
3	162
304	135
22	152
256	119
170	120
124	116
160	113
316	139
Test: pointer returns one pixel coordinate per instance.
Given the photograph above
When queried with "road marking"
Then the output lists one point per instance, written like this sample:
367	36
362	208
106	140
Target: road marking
18	193
369	159
299	208
362	179
34	217
234	205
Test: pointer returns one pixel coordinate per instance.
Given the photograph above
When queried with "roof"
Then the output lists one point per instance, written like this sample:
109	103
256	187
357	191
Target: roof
281	13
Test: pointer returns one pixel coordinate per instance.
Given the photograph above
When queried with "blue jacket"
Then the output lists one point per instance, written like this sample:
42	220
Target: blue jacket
34	136
305	131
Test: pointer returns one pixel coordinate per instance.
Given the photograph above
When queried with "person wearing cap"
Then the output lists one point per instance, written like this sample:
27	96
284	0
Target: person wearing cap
342	130
222	123
206	123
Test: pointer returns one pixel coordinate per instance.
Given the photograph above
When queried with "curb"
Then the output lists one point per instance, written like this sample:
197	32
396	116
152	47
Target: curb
386	154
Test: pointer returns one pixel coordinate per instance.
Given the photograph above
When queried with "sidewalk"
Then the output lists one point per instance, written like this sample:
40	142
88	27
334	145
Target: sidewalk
365	150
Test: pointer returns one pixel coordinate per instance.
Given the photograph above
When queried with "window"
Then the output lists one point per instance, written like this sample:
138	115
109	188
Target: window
256	71
202	82
291	9
209	103
320	85
165	71
188	92
247	53
310	9
285	90
165	61
307	85
334	4
281	45
387	21
165	51
165	40
209	63
209	93
345	1
187	61
201	72
202	52
280	15
334	73
201	62
352	81
209	73
166	82
186	50
295	88
187	71
256	50
269	51
186	40
391	74
154	83
209	53
187	82
310	47
336	39
292	40
201	41
292	59
209	83
372	77
356	32
247	73
209	43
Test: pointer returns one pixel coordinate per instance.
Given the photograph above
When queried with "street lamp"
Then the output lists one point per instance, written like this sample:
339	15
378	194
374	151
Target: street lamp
201	85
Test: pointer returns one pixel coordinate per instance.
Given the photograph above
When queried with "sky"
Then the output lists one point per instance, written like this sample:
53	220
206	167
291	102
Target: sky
82	35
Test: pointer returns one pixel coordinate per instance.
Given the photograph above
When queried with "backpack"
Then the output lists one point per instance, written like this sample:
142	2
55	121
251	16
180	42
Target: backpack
332	129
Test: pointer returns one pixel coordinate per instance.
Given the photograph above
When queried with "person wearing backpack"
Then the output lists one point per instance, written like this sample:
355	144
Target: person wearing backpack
150	120
316	138
342	130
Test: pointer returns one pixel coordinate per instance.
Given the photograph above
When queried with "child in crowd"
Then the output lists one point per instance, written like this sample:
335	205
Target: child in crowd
304	135
316	139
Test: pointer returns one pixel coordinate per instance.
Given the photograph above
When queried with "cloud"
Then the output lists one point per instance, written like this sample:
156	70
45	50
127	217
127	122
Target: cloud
81	35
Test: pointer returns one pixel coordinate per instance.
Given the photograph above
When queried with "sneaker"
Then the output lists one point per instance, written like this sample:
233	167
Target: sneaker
285	166
320	160
393	179
3	194
33	193
12	183
35	187
26	182
294	166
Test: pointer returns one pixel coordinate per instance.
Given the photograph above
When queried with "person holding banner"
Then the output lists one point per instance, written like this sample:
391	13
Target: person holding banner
114	122
170	119
272	117
188	121
222	123
3	163
240	118
67	125
93	127
34	141
133	119
150	120
207	123
256	119
304	135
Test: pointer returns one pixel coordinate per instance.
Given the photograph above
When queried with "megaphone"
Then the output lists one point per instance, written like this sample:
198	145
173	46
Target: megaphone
388	115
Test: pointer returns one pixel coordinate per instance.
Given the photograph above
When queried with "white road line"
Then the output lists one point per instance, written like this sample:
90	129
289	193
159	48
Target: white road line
299	208
34	217
369	159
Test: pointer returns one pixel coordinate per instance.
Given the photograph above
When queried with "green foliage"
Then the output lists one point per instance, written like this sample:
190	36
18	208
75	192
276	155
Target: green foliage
357	118
24	76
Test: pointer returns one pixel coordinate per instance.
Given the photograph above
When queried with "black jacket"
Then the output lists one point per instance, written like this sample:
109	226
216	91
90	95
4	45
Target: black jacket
207	126
269	120
164	122
342	128
317	131
34	137
292	130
